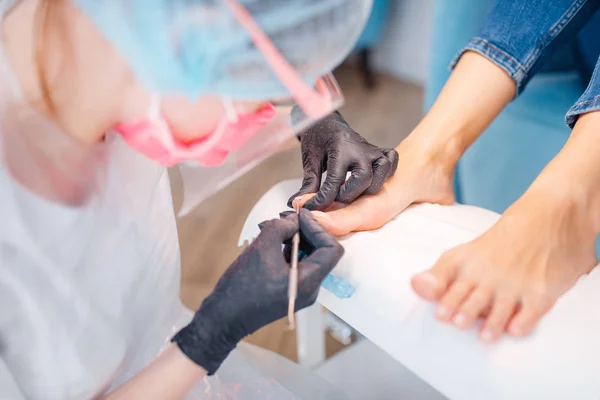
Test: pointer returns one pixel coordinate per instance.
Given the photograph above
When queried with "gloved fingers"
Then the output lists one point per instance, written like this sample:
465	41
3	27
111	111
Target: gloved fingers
317	266
381	172
304	190
383	168
336	205
277	231
336	176
303	199
394	157
312	177
308	287
326	255
285	214
282	215
287	251
304	251
305	247
361	178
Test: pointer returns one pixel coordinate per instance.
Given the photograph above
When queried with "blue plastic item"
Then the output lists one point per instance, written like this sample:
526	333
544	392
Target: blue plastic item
340	287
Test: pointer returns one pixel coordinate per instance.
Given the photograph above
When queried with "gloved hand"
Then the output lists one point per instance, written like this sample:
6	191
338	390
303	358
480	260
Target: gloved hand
253	292
332	146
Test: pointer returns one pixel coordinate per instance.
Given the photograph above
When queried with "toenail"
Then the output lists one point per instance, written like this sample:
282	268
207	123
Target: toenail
517	331
428	276
443	313
488	336
460	320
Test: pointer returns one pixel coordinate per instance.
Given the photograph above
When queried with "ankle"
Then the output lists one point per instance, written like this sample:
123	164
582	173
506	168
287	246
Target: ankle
440	149
578	203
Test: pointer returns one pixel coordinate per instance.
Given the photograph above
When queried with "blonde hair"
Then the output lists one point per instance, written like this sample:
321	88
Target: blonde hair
43	15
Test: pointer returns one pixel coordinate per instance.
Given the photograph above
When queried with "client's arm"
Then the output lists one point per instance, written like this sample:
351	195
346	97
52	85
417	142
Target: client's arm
170	377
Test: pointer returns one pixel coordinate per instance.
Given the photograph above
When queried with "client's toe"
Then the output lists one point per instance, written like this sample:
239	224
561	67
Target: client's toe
473	307
532	310
503	309
453	298
432	284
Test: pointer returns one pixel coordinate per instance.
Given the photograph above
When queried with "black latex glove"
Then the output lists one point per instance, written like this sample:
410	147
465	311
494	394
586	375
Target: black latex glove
332	146
253	292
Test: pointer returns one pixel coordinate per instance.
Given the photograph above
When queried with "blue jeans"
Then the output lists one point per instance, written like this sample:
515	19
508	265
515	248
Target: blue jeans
521	36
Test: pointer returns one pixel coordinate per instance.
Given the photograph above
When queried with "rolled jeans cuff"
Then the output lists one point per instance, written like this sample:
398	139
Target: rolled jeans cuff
589	100
499	57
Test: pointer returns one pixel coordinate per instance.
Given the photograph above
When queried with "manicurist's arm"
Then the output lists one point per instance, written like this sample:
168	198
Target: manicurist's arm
252	293
170	377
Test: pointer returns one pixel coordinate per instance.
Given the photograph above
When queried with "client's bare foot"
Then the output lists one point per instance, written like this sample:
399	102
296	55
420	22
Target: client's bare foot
423	176
514	273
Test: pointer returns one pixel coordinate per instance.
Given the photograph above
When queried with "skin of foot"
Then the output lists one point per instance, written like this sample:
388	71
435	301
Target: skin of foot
510	276
514	273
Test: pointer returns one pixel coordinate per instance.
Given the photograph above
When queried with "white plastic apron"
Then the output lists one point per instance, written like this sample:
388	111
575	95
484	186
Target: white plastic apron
90	295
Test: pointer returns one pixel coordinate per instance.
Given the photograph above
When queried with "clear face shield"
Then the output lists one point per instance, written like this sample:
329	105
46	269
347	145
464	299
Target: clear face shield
305	104
287	120
274	54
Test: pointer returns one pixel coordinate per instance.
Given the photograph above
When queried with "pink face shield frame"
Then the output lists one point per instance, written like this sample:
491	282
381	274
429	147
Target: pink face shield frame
314	104
200	182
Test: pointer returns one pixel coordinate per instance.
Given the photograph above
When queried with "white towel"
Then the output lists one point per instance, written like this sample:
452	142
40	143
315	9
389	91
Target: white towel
560	360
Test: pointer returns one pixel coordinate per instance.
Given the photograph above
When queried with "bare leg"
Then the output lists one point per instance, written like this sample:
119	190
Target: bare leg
514	273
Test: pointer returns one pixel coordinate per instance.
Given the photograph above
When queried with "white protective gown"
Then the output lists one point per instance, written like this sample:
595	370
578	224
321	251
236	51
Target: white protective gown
90	295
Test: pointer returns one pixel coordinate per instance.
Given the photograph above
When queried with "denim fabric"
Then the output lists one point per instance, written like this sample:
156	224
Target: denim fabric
589	100
587	47
521	36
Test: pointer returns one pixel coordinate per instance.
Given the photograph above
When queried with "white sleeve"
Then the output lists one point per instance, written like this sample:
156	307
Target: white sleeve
8	387
55	344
